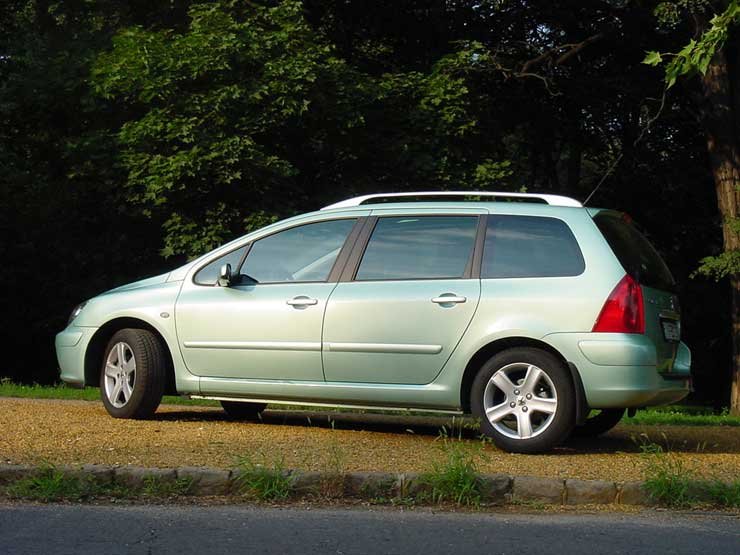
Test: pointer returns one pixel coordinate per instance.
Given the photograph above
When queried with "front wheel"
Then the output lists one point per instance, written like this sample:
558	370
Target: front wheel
134	374
525	400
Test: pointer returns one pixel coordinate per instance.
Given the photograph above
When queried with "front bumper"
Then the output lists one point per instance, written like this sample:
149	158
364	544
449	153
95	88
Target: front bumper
71	346
621	371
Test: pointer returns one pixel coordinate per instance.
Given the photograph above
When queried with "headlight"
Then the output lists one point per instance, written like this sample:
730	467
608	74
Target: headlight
76	312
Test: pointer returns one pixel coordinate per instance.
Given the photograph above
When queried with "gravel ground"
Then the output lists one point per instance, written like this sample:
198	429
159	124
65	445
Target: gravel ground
72	432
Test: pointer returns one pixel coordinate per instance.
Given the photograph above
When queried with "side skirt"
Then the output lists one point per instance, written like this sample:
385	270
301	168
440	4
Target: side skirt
331	405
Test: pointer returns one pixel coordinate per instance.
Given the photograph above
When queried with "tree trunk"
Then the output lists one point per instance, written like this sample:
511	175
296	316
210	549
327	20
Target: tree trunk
724	157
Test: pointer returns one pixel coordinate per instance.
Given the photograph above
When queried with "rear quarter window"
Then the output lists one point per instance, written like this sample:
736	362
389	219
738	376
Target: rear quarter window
530	246
634	251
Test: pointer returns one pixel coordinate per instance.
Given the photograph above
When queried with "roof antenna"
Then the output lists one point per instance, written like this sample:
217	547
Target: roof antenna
618	159
609	171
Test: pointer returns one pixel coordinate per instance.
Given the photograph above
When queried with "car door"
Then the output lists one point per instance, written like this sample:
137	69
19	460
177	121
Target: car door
267	324
408	294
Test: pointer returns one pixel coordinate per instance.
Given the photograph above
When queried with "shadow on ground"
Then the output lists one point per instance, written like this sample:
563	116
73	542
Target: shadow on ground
622	439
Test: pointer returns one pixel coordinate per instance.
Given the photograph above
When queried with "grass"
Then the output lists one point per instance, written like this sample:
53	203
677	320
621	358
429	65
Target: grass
682	415
332	485
671	483
262	478
456	479
36	391
156	487
50	484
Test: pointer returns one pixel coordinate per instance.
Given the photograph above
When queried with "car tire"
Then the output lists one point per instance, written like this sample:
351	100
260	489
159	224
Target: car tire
598	424
133	374
238	410
525	400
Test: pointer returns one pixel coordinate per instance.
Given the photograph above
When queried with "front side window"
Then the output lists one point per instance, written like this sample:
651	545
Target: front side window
302	253
530	246
208	274
418	247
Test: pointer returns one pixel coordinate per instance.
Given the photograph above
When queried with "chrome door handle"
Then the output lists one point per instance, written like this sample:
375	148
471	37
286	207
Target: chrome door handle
449	298
302	301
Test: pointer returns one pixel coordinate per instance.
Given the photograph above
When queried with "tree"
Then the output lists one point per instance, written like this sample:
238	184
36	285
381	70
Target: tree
247	114
66	231
715	59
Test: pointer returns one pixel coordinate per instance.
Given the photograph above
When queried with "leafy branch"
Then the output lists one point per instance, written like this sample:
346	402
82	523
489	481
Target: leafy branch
697	54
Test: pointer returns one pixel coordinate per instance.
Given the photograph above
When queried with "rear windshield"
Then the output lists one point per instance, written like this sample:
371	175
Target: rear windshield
638	257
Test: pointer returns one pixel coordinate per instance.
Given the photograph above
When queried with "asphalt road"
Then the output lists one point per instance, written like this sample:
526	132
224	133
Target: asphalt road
80	529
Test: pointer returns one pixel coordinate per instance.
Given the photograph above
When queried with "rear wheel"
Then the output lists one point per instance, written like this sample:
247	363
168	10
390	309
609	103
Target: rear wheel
134	374
599	422
525	400
243	411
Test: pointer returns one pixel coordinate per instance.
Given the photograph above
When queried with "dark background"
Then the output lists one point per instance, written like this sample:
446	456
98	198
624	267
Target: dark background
71	227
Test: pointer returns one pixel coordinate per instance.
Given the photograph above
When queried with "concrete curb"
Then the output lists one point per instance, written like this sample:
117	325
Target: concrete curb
495	489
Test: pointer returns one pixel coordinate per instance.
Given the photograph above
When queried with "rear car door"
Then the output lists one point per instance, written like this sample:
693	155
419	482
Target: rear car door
407	296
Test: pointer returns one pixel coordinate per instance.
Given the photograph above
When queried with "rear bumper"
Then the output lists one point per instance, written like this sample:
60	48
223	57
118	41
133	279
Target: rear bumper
620	370
71	345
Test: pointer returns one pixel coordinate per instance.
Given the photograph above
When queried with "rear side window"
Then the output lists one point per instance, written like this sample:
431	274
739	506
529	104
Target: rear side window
530	246
419	247
638	257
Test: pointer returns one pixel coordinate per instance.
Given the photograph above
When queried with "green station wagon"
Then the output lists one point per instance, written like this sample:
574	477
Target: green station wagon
539	316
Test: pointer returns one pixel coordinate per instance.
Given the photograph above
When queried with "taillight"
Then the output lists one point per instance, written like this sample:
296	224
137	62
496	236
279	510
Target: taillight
624	310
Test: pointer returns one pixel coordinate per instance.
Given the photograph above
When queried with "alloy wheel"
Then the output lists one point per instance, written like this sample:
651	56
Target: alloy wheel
520	400
120	374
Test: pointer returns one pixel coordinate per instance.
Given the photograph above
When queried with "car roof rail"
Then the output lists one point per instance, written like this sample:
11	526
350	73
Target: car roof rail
552	200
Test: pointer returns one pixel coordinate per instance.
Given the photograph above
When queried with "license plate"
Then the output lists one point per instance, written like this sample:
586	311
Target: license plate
671	330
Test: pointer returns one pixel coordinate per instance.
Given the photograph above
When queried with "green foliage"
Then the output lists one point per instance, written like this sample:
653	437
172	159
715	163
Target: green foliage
215	100
720	266
489	172
724	494
697	54
669	13
36	391
51	484
678	417
670	482
263	479
456	479
233	105
667	480
158	487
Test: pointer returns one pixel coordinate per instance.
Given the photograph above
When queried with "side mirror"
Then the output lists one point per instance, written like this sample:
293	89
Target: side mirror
224	275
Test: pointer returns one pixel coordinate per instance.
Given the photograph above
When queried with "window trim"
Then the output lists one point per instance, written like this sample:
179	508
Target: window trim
483	244
607	213
212	260
353	264
343	254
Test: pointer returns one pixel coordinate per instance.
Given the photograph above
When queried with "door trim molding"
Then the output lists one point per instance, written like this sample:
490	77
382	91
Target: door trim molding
395	348
256	345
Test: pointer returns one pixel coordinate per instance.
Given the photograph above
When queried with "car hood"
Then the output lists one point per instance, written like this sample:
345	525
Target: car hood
148	282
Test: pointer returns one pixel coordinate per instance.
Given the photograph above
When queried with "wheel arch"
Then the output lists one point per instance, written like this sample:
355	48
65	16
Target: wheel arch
494	347
98	342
